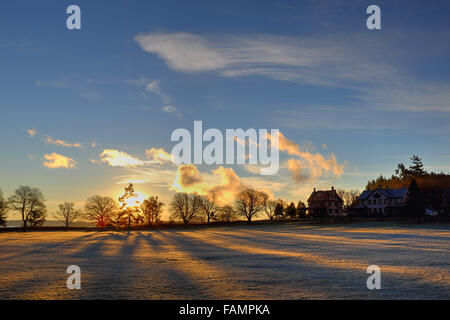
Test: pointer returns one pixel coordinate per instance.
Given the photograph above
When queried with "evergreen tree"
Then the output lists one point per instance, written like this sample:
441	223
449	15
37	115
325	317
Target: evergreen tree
416	169
416	206
301	209
129	213
279	210
291	210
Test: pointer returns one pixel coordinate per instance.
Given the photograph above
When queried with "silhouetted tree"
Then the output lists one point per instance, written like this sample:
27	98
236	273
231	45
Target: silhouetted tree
291	211
279	209
416	168
209	208
3	210
227	214
416	206
185	206
67	214
129	213
100	210
350	198
250	203
269	208
301	210
152	209
30	203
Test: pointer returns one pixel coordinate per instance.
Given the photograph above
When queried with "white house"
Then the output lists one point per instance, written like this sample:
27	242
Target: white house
383	201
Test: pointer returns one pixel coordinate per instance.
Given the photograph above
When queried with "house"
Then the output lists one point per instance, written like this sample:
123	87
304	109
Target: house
325	203
383	201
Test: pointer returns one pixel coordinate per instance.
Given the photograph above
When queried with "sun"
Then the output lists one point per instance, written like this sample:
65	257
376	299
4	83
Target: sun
134	201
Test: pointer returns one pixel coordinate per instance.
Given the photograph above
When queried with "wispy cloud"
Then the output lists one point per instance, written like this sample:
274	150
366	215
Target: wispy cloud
55	160
153	86
62	143
285	58
379	81
31	133
53	84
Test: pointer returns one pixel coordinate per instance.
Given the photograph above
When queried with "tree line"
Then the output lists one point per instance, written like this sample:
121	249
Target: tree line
431	185
106	212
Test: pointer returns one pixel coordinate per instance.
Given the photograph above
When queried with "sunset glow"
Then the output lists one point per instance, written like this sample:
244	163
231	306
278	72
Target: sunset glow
135	201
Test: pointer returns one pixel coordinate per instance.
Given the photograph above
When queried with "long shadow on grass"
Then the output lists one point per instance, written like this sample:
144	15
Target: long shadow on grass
176	284
44	247
292	271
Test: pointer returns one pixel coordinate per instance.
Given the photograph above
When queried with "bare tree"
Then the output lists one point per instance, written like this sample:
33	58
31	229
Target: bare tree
152	209
67	214
3	210
269	207
250	203
185	206
226	214
209	208
30	203
349	197
100	210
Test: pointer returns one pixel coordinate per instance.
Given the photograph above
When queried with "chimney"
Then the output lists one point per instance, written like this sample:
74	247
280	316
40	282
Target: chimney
314	189
332	188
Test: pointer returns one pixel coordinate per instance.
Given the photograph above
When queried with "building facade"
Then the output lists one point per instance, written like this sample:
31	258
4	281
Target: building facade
325	203
383	201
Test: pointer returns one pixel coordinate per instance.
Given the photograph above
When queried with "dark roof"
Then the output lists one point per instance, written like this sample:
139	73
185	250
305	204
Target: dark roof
323	195
388	193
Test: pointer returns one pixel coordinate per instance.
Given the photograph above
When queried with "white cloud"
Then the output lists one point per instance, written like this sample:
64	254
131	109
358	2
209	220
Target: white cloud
153	87
116	158
170	109
285	58
381	82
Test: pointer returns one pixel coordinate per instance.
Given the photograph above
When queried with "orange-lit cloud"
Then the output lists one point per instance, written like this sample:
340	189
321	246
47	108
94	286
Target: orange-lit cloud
308	166
116	158
286	145
159	155
222	184
311	167
55	160
62	143
31	132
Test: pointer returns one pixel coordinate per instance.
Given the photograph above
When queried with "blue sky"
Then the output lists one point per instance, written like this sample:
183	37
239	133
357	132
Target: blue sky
355	101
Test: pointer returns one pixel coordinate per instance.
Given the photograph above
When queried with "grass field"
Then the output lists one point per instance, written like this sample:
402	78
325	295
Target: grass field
283	261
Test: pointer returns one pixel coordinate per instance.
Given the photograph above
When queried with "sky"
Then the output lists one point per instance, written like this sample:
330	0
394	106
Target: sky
87	111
